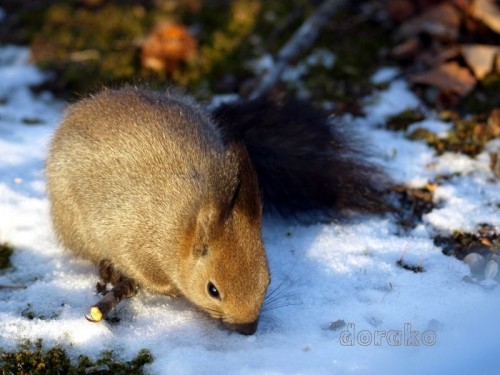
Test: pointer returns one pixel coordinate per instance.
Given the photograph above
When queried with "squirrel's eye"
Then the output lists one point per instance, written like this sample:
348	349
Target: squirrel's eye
212	290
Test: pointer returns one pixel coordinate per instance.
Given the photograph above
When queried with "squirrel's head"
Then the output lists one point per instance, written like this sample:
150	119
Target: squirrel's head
225	271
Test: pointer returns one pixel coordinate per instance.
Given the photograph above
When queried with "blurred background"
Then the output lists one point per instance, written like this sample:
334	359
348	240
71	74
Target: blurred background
448	50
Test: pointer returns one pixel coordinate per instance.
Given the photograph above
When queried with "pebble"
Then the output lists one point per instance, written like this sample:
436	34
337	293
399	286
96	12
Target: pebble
491	270
475	262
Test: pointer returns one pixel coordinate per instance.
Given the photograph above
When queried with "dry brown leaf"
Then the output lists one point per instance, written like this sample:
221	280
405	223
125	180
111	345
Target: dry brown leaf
494	122
448	77
400	10
448	53
407	49
463	5
431	187
485	241
487	11
167	47
495	163
480	58
441	21
91	3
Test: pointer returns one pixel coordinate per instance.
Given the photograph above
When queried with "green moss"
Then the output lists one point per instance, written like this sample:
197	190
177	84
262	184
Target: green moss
33	358
468	136
356	45
485	241
485	96
6	252
92	47
421	134
89	48
227	48
404	119
414	203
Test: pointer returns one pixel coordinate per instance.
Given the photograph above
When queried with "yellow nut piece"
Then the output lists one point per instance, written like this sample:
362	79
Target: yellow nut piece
94	314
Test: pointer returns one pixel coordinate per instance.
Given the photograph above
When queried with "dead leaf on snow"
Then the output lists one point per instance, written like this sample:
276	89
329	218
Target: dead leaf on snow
485	242
480	58
441	21
495	163
448	77
494	122
489	12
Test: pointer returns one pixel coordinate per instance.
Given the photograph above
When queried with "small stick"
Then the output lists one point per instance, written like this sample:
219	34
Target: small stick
301	40
124	288
13	286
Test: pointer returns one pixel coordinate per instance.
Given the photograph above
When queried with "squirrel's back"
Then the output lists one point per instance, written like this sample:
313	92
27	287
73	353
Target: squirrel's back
134	146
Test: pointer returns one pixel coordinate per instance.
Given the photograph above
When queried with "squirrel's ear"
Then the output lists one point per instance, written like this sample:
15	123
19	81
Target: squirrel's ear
206	220
247	192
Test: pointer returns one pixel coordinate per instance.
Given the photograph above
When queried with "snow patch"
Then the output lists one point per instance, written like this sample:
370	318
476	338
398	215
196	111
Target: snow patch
322	273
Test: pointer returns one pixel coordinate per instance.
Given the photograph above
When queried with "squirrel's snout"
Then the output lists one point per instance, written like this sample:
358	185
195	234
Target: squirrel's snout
246	328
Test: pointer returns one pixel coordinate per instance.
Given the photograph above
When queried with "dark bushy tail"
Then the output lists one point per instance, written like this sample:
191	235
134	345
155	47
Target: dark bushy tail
304	164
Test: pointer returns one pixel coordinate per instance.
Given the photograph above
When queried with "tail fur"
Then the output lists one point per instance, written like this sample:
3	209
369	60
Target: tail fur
304	164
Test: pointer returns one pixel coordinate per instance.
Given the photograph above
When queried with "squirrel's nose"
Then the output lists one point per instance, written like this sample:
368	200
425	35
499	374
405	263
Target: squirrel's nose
246	328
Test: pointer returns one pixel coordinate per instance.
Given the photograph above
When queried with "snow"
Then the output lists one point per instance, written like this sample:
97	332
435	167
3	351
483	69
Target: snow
322	273
392	101
319	57
384	75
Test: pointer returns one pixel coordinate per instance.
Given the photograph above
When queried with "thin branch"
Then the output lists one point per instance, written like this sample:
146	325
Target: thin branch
13	286
301	40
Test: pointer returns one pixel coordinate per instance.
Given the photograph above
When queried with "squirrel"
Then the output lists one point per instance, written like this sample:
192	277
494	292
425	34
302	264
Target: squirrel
166	195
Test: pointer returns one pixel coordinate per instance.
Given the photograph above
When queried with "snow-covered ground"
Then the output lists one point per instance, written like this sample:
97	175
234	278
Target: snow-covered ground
396	320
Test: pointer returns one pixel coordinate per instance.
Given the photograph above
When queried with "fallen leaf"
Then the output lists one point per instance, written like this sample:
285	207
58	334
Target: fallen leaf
91	3
489	12
494	122
400	10
431	187
167	47
495	163
449	53
448	77
485	241
463	5
407	49
441	21
480	58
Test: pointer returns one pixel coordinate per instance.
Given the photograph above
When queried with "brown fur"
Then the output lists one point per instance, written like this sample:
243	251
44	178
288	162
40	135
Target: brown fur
146	181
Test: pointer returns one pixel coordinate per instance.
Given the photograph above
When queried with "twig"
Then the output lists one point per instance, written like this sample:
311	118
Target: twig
301	40
13	286
124	289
